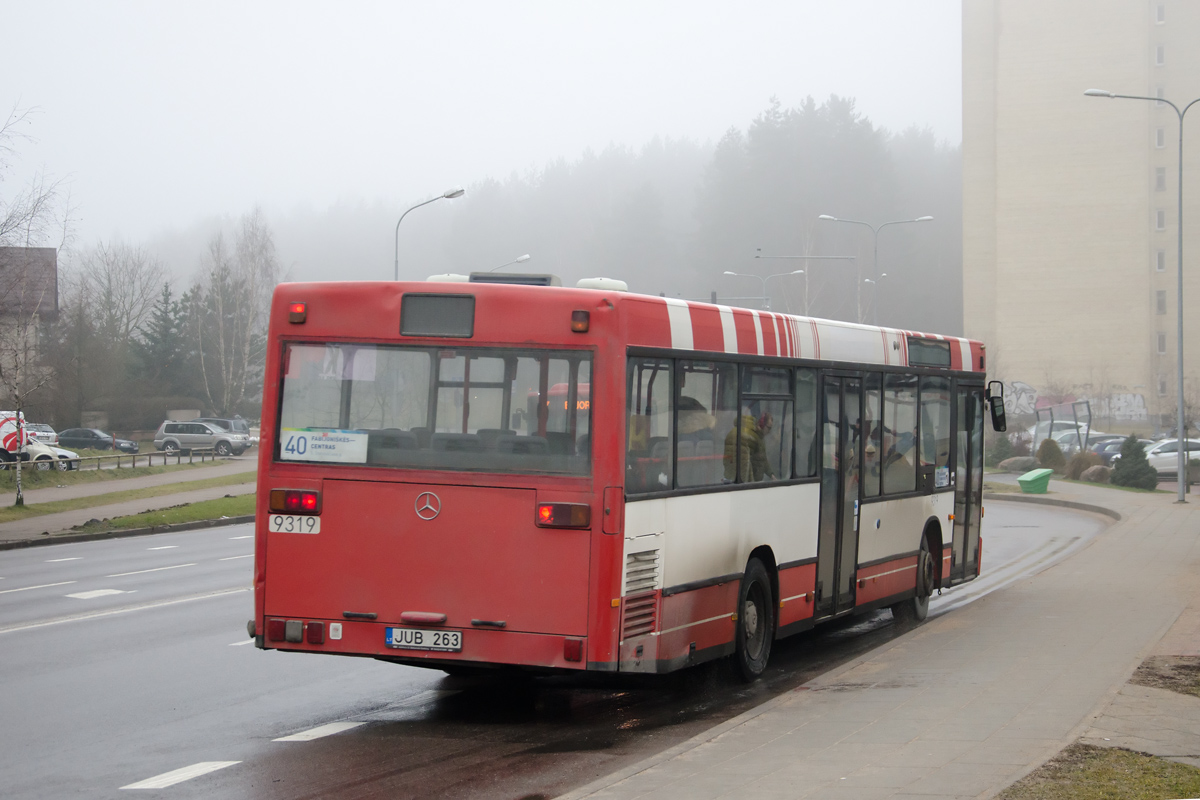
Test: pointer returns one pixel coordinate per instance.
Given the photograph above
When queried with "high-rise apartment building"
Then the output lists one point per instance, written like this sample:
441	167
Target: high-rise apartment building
1070	203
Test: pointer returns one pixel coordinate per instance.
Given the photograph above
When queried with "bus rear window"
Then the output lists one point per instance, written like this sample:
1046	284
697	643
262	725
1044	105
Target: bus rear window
448	408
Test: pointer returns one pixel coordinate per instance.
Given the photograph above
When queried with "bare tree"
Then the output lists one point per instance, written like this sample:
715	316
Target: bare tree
29	218
228	310
123	282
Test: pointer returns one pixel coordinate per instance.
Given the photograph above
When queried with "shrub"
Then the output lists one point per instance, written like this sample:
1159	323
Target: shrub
1050	455
1132	469
1000	448
1080	462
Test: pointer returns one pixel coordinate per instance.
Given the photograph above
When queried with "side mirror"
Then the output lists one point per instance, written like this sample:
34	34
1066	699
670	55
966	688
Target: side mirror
995	397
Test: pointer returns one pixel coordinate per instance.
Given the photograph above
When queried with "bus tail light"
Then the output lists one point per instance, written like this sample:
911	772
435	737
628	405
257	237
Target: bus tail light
580	321
563	515
573	650
297	313
276	630
314	632
295	501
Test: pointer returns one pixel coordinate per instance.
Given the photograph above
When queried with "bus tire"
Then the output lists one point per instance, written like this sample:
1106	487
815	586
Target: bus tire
754	629
916	608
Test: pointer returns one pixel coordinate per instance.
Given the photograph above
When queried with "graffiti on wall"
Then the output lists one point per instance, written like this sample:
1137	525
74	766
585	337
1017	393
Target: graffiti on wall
1021	398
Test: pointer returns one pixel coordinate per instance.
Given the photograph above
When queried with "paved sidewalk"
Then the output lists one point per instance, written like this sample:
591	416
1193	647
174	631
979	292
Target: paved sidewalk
38	527
974	699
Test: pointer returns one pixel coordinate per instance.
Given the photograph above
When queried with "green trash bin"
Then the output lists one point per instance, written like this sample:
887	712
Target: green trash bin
1035	481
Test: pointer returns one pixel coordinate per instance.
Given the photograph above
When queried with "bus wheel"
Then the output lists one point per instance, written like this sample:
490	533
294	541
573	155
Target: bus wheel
916	608
755	629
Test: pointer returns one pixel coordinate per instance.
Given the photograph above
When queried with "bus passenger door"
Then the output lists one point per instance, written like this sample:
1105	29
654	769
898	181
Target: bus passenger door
837	543
968	483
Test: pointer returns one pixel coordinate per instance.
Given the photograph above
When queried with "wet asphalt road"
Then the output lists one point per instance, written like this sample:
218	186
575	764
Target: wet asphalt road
126	660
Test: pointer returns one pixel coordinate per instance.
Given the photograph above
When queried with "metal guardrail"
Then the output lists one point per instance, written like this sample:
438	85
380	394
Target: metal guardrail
131	459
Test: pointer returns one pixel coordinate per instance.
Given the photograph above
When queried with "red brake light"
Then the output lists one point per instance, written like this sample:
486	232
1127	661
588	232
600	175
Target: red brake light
295	501
276	630
563	515
572	649
297	312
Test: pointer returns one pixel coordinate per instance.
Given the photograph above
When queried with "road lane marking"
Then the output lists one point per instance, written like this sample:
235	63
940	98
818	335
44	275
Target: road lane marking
250	536
319	731
180	775
56	560
242	642
94	593
115	611
164	547
235	558
42	586
144	571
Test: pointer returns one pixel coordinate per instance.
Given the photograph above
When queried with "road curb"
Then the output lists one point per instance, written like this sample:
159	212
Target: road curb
1038	500
17	544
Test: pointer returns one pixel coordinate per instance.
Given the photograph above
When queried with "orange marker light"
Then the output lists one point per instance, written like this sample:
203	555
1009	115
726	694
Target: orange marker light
297	312
579	321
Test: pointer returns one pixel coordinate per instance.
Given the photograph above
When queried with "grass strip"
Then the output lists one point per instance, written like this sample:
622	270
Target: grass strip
188	512
1087	772
34	479
10	513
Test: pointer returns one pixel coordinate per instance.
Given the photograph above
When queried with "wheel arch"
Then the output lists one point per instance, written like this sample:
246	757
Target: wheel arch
766	555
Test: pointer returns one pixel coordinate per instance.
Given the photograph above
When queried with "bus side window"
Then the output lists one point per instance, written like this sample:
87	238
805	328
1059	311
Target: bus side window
935	428
872	472
808	455
648	437
899	433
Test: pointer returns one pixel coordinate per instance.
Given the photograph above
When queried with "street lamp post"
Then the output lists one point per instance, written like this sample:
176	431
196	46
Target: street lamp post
875	297
766	299
449	194
517	260
1180	431
875	229
799	271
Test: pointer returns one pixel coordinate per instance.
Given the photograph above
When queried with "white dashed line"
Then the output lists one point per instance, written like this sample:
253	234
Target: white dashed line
115	611
181	775
57	560
250	536
235	558
242	642
320	731
144	571
93	594
164	547
43	586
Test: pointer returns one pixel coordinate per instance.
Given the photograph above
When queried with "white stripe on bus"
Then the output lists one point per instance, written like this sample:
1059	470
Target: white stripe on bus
680	318
728	329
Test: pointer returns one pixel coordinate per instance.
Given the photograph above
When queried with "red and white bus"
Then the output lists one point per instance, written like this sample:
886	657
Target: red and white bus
459	475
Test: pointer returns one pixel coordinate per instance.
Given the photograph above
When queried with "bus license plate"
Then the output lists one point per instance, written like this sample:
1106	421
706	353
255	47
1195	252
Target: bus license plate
413	639
293	523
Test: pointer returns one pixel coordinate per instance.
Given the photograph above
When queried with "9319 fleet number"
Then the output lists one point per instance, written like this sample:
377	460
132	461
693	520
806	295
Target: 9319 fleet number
293	523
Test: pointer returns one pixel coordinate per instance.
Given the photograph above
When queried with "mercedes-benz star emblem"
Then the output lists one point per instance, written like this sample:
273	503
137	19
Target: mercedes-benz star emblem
428	505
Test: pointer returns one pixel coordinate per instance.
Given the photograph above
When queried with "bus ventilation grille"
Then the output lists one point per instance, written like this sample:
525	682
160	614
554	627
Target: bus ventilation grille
641	604
641	572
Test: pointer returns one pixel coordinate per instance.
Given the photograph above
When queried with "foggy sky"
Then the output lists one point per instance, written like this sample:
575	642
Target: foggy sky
160	114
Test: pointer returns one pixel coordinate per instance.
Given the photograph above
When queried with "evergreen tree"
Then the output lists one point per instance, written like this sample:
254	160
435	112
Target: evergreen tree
161	349
1132	468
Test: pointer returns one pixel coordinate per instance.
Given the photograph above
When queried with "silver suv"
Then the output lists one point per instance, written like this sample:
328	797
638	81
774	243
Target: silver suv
174	437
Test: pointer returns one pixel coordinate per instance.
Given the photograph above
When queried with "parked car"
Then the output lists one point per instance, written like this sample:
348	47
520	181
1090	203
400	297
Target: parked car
40	457
94	439
234	425
1164	456
174	437
42	432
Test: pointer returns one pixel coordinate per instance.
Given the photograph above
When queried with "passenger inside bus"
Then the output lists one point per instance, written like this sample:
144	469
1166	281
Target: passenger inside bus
747	458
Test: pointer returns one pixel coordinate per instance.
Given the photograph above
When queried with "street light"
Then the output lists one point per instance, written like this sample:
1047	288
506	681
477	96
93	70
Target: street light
517	260
875	229
766	300
806	275
1180	431
449	194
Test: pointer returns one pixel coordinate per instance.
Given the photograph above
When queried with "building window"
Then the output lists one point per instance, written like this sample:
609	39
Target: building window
1160	302
1160	137
1160	56
1160	261
1162	344
1160	220
1160	14
1160	179
1162	384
